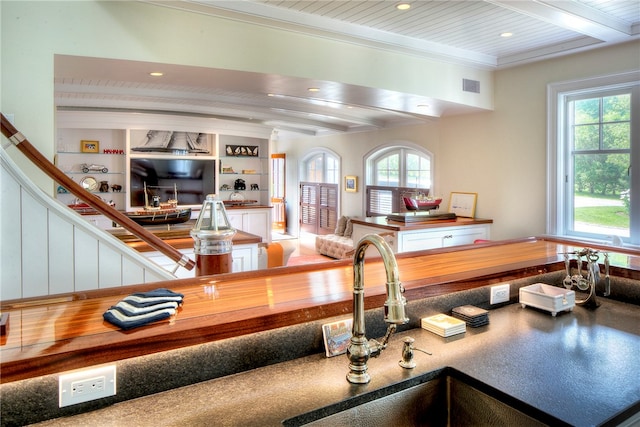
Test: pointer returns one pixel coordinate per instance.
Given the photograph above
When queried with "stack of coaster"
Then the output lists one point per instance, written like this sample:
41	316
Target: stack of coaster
474	316
444	325
142	308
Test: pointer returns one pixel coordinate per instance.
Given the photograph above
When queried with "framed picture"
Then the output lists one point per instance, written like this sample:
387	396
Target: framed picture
463	204
337	336
89	146
242	150
351	183
170	142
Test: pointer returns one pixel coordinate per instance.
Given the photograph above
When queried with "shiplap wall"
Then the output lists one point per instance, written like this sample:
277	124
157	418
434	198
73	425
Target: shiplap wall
47	249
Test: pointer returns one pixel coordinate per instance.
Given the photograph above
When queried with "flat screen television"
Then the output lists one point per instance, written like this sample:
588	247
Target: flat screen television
194	179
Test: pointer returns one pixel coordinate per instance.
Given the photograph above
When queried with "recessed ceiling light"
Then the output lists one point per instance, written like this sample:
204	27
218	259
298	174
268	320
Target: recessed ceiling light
156	74
313	89
506	34
403	6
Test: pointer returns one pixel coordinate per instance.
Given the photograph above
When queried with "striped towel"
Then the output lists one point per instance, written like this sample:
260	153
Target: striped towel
143	308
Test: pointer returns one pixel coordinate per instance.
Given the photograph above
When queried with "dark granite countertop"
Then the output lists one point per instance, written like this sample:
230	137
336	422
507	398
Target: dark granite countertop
582	367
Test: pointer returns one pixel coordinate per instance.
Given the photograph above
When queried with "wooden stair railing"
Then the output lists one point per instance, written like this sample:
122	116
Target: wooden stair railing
18	139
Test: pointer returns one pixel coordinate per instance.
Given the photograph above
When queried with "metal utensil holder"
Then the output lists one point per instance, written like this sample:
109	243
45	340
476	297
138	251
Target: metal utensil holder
592	278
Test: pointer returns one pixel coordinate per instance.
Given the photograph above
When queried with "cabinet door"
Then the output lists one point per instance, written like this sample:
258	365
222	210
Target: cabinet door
258	223
245	258
464	236
419	241
236	220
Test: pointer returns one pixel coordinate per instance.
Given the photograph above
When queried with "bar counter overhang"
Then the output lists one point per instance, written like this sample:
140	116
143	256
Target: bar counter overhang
65	332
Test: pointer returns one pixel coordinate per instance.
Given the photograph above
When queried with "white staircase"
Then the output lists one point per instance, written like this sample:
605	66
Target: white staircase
48	249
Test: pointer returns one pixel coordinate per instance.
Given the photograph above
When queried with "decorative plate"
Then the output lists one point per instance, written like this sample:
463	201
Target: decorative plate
89	183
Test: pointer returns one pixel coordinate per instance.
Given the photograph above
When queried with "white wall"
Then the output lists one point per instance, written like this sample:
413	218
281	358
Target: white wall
503	152
501	155
34	31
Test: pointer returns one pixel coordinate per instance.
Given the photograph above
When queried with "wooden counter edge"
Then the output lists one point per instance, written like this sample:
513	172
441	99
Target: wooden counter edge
381	222
91	350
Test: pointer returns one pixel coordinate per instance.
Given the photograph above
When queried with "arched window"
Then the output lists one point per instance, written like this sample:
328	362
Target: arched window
393	172
321	166
400	167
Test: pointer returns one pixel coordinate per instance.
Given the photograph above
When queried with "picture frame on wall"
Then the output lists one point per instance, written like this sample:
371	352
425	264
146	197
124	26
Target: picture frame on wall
463	204
351	183
87	146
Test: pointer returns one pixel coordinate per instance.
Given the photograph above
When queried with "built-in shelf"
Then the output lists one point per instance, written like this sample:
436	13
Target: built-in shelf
118	148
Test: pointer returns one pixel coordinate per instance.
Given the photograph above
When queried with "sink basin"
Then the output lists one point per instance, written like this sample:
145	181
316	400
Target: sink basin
443	398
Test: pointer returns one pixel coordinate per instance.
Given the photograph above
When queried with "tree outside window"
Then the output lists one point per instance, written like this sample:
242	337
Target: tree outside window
601	153
593	150
394	172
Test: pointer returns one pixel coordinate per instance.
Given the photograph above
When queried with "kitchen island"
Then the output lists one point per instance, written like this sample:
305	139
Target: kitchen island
578	369
233	323
422	235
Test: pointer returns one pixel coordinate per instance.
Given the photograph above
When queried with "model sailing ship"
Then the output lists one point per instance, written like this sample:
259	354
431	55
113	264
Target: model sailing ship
158	213
421	203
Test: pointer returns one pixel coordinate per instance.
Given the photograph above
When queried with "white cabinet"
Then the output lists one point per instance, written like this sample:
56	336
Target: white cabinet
466	235
409	240
417	240
244	258
252	220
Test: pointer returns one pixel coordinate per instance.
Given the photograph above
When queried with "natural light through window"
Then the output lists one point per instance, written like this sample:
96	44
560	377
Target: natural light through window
593	146
321	166
600	131
395	172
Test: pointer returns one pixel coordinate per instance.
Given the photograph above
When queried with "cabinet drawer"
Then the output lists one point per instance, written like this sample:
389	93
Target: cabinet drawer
418	241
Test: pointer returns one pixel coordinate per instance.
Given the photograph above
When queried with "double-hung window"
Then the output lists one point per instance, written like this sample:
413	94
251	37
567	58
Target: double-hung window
594	159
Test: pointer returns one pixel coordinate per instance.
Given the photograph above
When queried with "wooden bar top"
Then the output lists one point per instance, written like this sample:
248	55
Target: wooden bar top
382	223
64	332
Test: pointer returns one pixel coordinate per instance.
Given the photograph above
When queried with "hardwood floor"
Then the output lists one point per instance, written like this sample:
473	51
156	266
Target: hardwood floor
305	249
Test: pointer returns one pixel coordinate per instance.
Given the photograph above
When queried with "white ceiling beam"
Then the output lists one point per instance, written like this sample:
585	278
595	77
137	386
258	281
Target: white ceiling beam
572	16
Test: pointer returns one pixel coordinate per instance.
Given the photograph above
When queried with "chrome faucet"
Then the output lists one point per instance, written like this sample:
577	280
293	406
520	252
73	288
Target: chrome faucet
360	349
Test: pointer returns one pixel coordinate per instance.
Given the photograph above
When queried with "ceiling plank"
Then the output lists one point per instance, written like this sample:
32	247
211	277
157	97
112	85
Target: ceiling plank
571	16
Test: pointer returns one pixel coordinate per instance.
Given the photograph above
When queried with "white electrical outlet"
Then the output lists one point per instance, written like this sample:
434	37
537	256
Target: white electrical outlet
499	293
86	385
